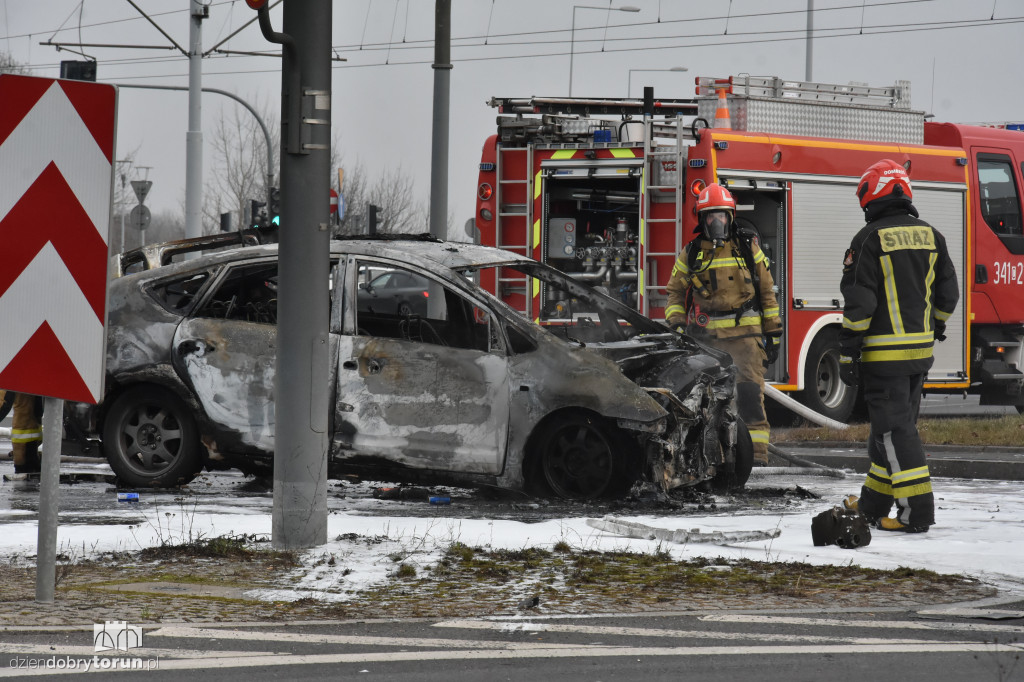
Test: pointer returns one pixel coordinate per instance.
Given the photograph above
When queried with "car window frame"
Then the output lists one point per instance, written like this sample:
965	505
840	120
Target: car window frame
151	287
457	284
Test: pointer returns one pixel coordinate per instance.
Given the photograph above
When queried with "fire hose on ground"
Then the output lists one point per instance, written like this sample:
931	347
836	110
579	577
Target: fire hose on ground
809	414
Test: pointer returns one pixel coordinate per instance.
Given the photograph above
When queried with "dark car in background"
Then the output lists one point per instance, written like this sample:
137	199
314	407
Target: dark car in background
463	391
400	292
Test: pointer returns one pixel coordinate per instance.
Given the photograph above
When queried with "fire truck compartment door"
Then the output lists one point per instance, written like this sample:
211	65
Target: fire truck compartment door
825	218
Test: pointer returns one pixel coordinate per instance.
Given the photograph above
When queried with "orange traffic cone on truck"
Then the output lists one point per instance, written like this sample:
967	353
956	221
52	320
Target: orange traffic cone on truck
722	112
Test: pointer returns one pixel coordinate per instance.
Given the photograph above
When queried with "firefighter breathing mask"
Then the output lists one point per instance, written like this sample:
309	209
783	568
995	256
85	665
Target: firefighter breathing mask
716	225
715	208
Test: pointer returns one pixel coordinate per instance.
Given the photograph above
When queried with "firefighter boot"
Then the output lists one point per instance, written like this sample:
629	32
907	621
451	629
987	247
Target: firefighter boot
26	458
889	523
852	503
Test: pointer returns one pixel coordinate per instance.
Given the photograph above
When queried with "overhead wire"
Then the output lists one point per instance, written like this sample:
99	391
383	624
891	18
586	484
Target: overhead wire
1010	21
752	15
822	33
109	22
818	33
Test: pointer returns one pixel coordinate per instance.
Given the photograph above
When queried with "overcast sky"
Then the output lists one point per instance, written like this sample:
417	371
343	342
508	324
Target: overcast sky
960	57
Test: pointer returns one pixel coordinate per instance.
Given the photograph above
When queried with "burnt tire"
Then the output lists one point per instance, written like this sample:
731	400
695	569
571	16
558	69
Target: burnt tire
579	458
151	440
824	392
737	476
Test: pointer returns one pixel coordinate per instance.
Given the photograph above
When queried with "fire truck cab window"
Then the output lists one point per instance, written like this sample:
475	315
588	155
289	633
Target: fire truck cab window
999	198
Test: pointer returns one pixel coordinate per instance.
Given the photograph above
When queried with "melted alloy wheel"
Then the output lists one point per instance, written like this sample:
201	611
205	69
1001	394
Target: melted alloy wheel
578	458
150	438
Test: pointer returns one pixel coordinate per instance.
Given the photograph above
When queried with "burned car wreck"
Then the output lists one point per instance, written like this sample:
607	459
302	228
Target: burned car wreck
469	392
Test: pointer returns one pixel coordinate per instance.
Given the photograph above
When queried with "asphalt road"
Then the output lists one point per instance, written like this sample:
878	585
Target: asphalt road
948	643
960	406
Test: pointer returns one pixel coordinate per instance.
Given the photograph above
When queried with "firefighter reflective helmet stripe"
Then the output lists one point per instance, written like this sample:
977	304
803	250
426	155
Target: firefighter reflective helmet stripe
883	179
714	197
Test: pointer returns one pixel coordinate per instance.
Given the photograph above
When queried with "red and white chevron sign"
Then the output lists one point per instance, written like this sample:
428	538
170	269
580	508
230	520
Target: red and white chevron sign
56	170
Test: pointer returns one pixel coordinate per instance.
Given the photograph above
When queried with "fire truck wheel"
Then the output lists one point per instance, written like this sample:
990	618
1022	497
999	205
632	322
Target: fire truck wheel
824	392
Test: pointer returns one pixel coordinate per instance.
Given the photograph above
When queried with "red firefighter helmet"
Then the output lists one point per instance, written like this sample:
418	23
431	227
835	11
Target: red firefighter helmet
714	197
881	180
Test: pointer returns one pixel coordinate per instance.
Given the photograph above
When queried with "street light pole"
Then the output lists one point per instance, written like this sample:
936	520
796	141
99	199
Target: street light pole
259	120
629	79
194	136
572	34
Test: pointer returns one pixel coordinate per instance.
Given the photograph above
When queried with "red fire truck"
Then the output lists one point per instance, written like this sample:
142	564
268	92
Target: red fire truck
604	190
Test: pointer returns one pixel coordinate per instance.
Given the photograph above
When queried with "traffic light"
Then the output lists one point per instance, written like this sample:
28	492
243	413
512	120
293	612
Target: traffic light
257	218
78	70
274	209
371	219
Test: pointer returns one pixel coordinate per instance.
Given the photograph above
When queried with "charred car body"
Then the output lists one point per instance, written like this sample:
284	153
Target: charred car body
470	392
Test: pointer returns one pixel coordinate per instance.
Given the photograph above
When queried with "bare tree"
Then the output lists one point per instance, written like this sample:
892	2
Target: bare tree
9	65
239	170
392	191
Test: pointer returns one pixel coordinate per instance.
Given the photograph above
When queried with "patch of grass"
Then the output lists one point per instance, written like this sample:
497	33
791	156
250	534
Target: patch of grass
234	547
1007	430
482	582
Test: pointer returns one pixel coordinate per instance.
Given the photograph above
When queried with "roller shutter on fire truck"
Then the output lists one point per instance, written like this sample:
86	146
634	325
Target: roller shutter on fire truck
824	223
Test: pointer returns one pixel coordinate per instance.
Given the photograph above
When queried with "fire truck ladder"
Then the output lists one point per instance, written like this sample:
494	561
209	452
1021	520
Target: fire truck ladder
772	87
514	220
664	157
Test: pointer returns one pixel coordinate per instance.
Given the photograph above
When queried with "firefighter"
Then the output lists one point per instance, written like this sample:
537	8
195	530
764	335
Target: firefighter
721	292
900	288
26	429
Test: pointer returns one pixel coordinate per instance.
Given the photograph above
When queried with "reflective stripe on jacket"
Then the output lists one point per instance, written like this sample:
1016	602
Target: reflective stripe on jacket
723	289
897	281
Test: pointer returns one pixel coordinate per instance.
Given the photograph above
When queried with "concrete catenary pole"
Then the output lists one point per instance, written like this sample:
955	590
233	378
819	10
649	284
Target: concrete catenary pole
442	86
809	67
300	458
194	136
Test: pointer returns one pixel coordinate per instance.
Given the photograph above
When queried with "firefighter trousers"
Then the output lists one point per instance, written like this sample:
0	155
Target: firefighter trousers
26	432
750	359
899	470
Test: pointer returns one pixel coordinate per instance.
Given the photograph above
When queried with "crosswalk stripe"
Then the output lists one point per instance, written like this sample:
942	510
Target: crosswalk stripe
245	661
644	632
365	640
893	624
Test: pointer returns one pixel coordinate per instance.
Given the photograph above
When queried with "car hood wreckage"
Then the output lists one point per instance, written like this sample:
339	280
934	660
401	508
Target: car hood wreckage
580	403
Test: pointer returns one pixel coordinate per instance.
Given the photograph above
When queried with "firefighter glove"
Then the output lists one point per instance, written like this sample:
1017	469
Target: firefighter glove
849	369
772	340
940	330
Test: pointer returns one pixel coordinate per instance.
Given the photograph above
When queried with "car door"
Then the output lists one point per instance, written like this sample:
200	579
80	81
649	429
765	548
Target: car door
423	391
226	350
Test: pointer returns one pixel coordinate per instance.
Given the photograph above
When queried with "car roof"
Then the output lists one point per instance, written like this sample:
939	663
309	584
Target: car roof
414	249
